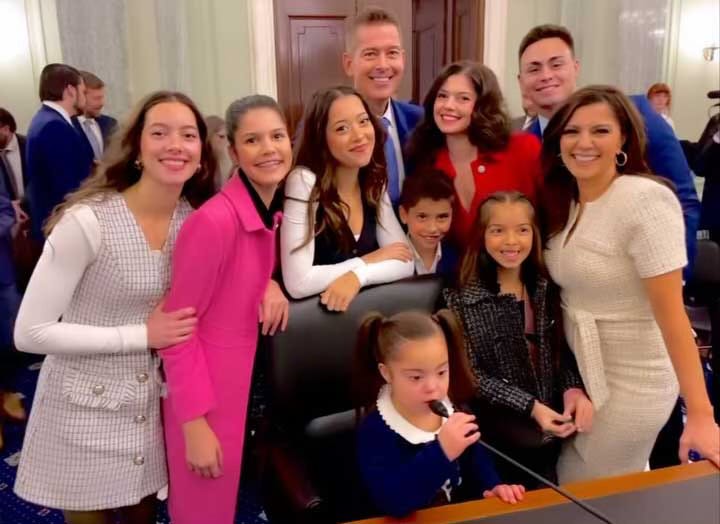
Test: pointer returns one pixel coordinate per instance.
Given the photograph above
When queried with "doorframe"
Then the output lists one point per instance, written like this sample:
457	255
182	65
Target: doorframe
261	20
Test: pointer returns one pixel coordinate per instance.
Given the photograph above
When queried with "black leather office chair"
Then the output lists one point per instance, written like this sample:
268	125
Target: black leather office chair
310	473
704	305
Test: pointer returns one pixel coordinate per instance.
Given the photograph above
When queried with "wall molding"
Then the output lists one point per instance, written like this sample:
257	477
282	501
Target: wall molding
262	47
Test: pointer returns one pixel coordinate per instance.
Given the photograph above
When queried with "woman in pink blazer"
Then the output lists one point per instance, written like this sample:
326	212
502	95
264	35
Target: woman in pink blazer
222	266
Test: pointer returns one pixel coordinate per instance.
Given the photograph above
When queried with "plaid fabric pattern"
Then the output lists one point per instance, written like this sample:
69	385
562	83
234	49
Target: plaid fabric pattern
498	352
94	439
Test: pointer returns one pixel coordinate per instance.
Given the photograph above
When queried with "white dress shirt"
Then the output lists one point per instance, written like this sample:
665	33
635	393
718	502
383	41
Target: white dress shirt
12	154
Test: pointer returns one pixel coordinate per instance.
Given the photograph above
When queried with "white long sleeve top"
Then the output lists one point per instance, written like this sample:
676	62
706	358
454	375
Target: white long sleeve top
70	249
301	277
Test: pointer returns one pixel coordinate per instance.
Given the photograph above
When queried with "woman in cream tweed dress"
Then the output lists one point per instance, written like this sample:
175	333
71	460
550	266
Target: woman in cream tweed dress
616	248
94	441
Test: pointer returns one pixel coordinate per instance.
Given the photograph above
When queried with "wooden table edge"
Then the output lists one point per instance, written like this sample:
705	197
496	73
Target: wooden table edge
546	497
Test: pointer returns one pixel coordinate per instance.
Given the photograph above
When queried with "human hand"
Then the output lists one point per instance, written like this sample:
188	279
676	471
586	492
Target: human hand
578	407
510	493
274	309
341	292
395	251
550	421
459	432
167	329
203	453
703	435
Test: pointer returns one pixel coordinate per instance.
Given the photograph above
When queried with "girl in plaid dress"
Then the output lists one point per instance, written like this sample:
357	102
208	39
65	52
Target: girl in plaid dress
94	441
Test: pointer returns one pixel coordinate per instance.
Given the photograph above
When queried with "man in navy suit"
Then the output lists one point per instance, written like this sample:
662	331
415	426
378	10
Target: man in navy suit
13	169
58	159
375	60
94	126
548	76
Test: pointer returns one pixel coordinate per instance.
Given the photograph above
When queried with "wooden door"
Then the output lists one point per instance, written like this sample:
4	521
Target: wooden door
429	43
468	31
310	40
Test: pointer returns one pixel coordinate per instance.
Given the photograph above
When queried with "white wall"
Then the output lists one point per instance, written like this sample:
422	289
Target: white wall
690	76
28	40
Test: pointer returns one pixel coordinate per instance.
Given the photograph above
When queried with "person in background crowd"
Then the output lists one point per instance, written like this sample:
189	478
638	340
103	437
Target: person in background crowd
57	157
220	144
660	98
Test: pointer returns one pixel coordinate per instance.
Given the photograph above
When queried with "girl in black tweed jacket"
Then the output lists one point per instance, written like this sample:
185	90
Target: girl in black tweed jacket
526	376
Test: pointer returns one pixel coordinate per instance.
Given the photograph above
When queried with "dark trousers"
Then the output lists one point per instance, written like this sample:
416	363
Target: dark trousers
9	358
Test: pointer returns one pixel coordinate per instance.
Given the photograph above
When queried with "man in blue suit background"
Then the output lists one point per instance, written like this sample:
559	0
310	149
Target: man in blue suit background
375	60
548	76
58	159
95	126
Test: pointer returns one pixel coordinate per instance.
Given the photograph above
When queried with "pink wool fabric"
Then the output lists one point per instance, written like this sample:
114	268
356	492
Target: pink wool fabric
222	265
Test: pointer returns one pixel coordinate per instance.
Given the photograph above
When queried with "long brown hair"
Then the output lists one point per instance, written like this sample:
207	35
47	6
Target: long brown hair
560	188
118	170
489	128
478	265
313	153
380	337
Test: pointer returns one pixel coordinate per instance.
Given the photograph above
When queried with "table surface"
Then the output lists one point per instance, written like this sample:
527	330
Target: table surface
688	494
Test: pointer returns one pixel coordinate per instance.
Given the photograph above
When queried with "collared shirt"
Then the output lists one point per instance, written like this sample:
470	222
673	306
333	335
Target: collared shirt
95	127
420	268
267	214
60	109
543	123
392	129
12	154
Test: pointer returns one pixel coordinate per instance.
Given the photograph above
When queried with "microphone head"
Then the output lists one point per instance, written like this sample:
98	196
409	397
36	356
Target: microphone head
437	407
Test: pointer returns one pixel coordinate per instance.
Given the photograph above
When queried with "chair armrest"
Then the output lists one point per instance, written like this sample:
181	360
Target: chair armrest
294	479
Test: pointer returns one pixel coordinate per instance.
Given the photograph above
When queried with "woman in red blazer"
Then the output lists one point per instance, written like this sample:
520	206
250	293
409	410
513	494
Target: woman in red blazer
466	134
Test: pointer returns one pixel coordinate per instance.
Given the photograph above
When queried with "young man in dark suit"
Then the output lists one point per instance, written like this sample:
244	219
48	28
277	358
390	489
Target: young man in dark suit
95	127
58	158
375	60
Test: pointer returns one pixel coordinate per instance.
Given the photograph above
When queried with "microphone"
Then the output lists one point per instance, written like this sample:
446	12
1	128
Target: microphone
439	409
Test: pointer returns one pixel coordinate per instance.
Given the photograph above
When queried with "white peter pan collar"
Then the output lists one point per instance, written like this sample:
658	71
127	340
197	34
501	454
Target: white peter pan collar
398	423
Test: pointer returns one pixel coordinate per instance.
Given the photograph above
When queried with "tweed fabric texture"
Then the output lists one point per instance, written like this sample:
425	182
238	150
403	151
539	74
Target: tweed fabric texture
94	439
631	232
497	349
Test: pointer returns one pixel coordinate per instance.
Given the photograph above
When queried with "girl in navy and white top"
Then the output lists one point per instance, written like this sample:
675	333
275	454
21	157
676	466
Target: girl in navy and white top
409	457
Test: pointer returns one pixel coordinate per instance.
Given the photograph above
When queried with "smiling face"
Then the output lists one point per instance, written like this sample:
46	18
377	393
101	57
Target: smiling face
454	104
418	372
548	74
170	144
428	222
509	233
590	141
261	147
350	134
376	63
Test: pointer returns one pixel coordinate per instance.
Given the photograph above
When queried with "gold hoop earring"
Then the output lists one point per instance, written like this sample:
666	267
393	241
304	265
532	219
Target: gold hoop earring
621	158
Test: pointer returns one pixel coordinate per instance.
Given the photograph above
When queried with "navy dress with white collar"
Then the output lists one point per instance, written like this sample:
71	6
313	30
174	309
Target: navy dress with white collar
405	469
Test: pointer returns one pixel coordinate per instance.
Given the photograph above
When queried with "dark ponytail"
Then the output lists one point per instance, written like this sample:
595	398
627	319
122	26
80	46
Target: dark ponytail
366	379
462	387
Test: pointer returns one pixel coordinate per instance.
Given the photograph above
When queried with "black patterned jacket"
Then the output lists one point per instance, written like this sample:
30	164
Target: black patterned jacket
494	329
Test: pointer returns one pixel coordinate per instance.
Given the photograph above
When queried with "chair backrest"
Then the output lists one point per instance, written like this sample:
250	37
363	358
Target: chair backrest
707	263
310	364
